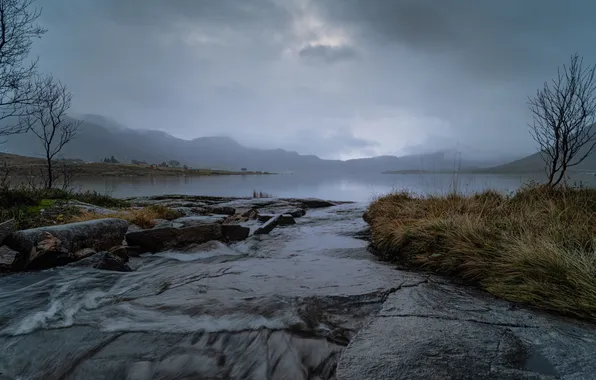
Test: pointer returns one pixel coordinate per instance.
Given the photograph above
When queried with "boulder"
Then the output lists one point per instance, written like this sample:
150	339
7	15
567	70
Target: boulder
159	239
121	251
104	261
315	203
265	217
161	223
84	253
234	232
253	213
188	221
297	213
278	220
46	247
222	210
7	228
7	257
286	220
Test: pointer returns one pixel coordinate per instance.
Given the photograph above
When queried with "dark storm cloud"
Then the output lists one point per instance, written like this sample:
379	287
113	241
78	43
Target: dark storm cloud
494	38
412	72
326	53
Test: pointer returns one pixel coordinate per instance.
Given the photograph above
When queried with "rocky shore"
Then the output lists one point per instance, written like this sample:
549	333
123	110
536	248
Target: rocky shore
240	288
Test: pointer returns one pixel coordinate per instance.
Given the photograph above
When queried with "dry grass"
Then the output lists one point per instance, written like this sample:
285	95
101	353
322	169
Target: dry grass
536	247
143	217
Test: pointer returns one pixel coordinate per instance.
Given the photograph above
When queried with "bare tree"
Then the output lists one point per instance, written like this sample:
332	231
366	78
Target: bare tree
563	113
47	119
18	29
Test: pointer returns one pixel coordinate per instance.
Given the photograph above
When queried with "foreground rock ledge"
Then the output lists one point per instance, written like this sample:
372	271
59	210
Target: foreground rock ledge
99	235
439	331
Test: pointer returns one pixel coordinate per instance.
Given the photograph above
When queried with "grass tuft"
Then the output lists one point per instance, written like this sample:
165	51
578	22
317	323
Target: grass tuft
143	217
536	246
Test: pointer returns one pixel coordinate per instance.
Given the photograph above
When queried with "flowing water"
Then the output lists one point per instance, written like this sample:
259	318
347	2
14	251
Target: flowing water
278	306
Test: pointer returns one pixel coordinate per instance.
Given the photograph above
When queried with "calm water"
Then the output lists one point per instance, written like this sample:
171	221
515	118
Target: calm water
350	188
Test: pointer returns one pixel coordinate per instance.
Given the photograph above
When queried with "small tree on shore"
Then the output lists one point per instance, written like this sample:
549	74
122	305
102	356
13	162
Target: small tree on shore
47	119
18	29
563	113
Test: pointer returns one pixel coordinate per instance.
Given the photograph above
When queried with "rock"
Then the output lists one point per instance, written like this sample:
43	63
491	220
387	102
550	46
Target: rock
7	257
7	228
251	214
83	253
315	203
286	220
88	207
299	212
104	261
46	247
121	251
133	227
440	331
222	210
265	217
281	220
161	223
159	239
188	221
234	232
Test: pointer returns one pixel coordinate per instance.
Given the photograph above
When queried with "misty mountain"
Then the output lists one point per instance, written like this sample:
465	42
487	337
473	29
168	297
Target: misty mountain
101	137
534	162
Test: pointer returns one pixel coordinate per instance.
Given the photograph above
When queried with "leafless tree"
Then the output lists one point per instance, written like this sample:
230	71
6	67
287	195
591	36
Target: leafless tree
67	173
47	119
18	29
563	113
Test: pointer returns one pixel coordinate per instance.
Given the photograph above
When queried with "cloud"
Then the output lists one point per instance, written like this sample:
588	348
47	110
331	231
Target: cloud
329	54
363	77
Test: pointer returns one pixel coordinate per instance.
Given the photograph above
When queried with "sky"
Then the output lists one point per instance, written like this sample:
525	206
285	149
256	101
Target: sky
336	78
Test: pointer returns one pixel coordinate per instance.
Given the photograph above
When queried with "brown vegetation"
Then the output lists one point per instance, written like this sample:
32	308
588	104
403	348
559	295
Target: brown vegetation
535	247
143	217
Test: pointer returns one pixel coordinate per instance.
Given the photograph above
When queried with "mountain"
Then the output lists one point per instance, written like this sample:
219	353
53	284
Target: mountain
101	137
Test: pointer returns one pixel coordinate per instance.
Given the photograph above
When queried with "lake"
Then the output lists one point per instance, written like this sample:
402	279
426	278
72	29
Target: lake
359	188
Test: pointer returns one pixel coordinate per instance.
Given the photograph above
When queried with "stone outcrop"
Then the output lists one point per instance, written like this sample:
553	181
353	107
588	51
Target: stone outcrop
188	221
7	228
7	257
436	330
315	203
104	261
234	232
47	247
277	220
160	239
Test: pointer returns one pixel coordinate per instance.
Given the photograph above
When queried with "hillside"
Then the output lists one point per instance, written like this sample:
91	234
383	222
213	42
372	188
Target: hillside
534	164
22	166
100	137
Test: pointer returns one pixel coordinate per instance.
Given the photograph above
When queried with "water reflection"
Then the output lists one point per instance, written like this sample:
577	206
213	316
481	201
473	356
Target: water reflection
352	188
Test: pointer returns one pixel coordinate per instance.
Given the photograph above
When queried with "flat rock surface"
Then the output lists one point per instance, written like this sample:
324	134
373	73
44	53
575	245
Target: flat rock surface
435	330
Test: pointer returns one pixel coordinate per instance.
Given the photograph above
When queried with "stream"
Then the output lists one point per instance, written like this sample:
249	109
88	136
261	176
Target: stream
277	306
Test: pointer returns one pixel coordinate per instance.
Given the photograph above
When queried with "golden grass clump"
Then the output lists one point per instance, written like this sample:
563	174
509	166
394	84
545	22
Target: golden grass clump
143	217
535	246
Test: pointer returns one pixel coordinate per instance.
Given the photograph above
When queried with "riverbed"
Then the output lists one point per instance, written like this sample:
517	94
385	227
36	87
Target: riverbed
282	305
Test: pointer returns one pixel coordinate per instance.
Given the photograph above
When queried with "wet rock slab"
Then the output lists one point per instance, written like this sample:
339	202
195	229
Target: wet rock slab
440	331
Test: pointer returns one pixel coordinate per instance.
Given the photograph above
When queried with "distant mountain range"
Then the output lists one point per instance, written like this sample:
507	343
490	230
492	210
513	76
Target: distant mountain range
101	137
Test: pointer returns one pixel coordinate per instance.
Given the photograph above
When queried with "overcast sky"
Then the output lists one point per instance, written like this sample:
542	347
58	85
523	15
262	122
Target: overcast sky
336	78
